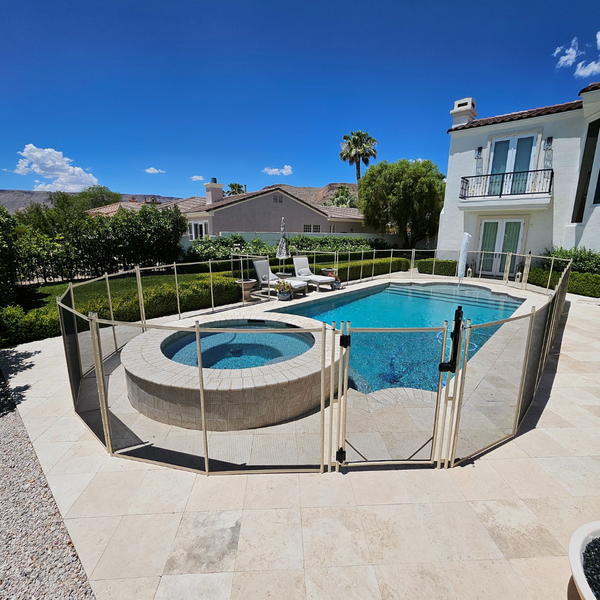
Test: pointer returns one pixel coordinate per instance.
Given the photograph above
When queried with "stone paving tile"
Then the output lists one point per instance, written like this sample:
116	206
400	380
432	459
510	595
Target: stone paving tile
206	542
205	586
259	585
489	579
384	525
516	529
140	588
139	547
270	540
545	578
349	583
457	533
91	536
414	581
333	537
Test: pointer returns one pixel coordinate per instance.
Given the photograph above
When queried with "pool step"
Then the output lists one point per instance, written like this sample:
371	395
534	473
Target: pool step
412	292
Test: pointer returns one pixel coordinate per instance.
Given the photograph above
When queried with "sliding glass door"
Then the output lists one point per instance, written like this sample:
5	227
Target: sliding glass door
497	237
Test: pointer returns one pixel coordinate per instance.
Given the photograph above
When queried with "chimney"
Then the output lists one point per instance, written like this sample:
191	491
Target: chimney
214	191
464	112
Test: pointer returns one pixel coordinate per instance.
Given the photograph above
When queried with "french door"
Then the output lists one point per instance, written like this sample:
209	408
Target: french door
497	237
510	166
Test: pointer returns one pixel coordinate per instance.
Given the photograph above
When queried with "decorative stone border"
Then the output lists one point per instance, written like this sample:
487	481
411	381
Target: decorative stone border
235	399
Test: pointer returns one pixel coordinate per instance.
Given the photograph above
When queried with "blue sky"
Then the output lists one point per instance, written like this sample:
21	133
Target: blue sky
228	89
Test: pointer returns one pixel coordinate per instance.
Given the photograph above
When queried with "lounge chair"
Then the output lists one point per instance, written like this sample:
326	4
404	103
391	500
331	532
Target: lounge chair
303	272
266	278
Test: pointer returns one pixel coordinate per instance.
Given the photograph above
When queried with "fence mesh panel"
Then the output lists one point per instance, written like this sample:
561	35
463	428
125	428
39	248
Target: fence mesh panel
69	331
492	385
392	396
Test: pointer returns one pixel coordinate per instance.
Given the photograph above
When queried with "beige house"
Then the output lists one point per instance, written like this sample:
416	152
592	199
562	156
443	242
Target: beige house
302	208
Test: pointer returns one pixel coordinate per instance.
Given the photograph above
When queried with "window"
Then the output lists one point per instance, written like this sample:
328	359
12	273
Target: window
197	229
312	228
307	228
277	199
316	229
332	229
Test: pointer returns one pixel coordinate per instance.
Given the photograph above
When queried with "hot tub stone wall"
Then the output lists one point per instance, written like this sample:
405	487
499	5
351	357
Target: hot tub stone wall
234	399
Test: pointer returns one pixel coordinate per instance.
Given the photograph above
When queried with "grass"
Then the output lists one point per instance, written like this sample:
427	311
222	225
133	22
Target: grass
31	297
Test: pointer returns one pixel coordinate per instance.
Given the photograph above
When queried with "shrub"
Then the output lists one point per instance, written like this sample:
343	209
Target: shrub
220	248
382	266
19	327
584	284
584	260
442	267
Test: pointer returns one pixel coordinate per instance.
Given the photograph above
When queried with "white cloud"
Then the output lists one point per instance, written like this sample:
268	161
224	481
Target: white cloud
587	70
51	164
152	170
287	170
570	54
197	178
598	40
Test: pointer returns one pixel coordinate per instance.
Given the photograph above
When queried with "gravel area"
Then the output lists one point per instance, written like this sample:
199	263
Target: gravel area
37	557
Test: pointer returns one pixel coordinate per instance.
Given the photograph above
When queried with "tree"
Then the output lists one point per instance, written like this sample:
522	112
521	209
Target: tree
99	195
342	198
8	263
234	189
356	147
405	196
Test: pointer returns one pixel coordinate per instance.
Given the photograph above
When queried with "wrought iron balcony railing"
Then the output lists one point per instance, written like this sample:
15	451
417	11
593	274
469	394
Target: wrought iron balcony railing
507	184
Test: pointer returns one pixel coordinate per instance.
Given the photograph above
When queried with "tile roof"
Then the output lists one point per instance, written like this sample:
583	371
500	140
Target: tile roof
110	210
525	114
590	88
312	197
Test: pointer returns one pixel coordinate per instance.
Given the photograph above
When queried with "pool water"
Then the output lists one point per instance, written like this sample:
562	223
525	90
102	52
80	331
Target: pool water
385	359
237	350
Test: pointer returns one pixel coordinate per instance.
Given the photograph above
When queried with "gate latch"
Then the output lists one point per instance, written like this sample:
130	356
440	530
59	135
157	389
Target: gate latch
345	341
340	456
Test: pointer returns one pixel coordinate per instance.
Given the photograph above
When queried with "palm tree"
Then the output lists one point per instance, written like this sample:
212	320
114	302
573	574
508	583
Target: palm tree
234	189
356	147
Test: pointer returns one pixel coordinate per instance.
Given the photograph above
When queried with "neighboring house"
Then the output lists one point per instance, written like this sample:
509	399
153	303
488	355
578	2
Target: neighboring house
525	181
110	210
261	211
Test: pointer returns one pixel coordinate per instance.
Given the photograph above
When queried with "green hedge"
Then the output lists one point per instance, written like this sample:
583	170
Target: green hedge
382	266
19	327
442	267
584	260
584	284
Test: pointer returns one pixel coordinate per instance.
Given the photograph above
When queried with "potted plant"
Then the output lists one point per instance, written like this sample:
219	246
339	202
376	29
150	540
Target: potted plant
584	556
283	289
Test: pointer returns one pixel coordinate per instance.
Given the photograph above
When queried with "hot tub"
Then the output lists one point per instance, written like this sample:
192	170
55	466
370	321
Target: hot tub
250	379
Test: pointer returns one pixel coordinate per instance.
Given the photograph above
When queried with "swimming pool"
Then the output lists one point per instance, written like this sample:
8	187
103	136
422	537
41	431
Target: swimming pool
388	359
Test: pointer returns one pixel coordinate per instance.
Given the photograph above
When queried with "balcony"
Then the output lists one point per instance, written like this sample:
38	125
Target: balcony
518	183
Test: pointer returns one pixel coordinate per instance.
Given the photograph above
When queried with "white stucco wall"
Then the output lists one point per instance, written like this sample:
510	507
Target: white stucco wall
547	223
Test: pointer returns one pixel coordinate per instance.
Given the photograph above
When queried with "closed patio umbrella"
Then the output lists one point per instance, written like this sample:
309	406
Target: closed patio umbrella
283	251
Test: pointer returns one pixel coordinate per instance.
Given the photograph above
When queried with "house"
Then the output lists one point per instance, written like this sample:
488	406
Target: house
524	181
110	210
261	211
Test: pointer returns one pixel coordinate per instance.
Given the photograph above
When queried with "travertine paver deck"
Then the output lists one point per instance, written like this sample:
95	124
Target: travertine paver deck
497	528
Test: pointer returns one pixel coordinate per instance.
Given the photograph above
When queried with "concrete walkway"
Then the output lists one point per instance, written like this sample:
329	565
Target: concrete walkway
497	528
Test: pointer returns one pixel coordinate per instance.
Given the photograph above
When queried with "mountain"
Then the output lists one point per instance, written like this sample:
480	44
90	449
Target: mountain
15	200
